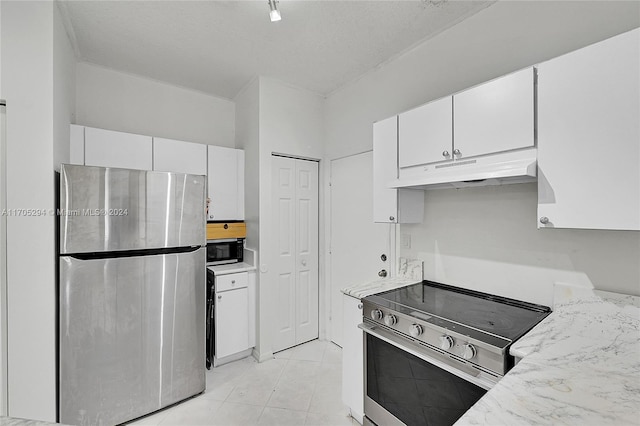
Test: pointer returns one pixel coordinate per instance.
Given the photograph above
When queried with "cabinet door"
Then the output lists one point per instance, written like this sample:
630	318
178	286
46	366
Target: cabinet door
232	322
391	205
426	134
353	358
106	148
177	156
495	116
226	183
589	137
385	169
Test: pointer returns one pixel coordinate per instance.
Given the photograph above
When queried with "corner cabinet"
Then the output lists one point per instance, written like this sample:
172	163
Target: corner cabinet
589	137
391	205
353	357
225	183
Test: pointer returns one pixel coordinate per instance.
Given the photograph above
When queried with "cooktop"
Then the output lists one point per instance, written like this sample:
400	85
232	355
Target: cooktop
496	315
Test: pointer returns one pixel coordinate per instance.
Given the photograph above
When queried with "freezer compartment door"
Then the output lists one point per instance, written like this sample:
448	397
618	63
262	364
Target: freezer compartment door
131	335
108	209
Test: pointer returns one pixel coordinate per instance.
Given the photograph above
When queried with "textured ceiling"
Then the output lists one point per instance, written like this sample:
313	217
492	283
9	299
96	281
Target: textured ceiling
218	46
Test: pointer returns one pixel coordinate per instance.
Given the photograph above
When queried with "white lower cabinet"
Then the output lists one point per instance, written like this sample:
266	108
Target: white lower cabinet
231	314
353	357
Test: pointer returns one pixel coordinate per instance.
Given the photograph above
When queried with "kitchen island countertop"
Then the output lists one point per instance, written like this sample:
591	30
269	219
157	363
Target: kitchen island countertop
581	366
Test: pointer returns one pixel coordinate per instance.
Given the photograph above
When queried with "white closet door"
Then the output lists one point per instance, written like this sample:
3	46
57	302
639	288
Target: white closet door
283	206
306	211
295	218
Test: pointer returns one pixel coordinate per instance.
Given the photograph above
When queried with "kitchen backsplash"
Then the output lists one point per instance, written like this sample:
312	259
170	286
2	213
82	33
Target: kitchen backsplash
410	269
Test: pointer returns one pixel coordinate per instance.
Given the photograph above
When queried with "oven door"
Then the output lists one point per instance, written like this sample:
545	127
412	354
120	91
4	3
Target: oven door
407	383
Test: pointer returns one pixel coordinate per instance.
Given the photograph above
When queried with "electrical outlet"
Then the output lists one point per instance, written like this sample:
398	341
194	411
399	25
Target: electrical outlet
405	241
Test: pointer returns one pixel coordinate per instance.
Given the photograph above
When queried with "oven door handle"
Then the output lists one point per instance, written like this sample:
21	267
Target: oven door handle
470	374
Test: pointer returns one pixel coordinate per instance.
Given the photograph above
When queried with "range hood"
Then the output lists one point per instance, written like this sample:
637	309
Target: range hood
496	169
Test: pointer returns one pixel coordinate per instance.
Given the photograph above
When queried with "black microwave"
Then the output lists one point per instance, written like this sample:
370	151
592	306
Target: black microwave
225	251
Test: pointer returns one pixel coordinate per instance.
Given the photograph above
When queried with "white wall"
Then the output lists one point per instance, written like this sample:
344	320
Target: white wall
456	244
290	121
27	85
64	91
115	100
248	139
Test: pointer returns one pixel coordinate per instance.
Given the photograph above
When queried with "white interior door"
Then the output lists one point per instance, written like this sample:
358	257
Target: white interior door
357	243
295	213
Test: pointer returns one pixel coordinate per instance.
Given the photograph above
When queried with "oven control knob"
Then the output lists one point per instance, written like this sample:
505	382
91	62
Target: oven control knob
446	342
376	314
415	330
468	351
390	320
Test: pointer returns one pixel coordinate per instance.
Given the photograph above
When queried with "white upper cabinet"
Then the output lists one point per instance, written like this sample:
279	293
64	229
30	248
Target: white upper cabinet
225	183
495	116
426	134
589	137
177	156
391	205
106	148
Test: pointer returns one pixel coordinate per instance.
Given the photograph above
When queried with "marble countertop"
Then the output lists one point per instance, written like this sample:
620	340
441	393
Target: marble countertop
581	366
409	272
13	421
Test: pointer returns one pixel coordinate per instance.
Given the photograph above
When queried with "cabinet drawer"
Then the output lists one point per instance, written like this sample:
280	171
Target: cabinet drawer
231	281
217	231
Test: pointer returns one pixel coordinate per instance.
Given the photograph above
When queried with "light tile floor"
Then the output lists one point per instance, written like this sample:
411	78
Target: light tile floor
301	386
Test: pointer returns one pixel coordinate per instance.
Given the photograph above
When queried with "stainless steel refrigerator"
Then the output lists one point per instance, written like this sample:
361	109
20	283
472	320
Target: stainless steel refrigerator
132	292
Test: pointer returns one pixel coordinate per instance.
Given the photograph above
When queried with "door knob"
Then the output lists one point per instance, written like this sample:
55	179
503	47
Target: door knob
304	263
382	273
219	296
383	257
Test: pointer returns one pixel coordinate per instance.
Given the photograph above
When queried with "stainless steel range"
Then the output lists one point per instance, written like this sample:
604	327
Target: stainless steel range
433	350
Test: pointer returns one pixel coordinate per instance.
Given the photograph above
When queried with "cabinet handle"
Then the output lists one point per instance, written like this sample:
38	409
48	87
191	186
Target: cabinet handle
233	281
544	220
359	305
304	263
457	152
391	218
445	153
219	296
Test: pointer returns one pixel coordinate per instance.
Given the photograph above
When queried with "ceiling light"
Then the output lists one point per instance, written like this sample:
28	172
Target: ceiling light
274	14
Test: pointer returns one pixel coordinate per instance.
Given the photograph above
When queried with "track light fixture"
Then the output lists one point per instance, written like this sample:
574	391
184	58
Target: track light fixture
274	13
